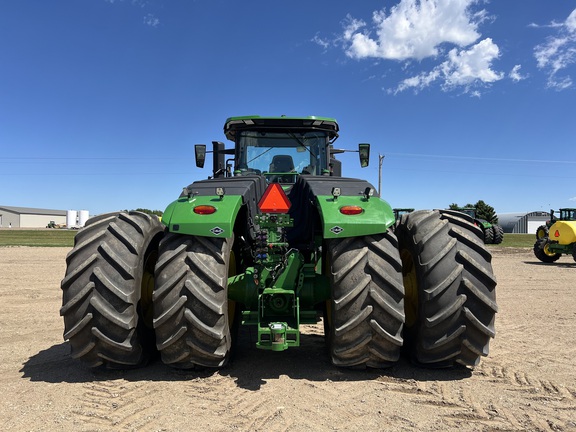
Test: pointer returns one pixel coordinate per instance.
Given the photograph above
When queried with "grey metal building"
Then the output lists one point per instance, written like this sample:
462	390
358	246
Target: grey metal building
26	217
522	223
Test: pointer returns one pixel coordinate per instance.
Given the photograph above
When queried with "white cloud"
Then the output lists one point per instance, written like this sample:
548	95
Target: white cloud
464	68
571	22
558	53
515	74
572	199
320	41
151	20
421	29
414	29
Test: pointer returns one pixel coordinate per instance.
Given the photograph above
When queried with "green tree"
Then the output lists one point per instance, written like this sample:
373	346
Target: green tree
487	212
150	212
482	210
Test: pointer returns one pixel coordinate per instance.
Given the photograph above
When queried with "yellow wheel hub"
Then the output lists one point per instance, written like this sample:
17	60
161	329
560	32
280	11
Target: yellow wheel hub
147	288
547	251
231	303
410	288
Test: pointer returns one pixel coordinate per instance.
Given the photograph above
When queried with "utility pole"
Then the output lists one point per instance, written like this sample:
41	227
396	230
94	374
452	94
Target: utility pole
380	160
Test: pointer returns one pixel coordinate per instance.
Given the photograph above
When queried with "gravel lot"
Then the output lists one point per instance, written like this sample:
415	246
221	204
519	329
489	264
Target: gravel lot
528	381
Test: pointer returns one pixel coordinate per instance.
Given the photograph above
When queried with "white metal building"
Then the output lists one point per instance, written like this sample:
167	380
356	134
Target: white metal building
25	217
522	223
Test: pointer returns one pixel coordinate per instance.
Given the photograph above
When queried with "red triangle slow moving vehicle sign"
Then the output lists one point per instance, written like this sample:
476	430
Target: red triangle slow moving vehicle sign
274	200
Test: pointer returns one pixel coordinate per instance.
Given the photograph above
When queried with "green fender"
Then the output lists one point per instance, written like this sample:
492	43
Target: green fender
376	216
180	217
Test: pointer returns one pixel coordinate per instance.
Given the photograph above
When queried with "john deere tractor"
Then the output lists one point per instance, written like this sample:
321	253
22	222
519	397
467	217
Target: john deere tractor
492	233
557	236
275	238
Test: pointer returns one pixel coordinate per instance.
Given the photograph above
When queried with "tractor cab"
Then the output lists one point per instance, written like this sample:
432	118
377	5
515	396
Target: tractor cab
567	214
279	148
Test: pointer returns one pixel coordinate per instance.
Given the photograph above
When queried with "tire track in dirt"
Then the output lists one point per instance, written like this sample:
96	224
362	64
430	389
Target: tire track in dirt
116	404
544	405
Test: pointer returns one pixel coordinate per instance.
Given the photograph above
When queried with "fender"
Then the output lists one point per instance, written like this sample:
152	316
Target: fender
180	217
236	192
375	217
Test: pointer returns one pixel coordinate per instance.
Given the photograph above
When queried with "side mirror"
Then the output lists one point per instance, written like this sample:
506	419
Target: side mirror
200	154
364	151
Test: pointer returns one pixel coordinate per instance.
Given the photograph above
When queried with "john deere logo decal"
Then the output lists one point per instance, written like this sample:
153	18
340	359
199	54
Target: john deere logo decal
216	230
336	230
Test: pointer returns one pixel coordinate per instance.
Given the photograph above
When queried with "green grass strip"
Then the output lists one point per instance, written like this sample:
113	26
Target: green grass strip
39	237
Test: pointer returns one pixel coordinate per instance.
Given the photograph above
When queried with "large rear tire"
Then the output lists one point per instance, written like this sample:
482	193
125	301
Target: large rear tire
488	235
498	234
367	306
542	252
105	286
450	288
191	301
542	232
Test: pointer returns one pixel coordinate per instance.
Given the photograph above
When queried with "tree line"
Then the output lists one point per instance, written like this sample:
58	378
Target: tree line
483	211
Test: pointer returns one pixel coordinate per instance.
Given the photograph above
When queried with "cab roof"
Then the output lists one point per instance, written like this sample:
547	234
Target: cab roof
257	123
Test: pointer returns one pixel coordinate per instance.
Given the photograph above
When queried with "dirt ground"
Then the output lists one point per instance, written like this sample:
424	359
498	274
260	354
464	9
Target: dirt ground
528	381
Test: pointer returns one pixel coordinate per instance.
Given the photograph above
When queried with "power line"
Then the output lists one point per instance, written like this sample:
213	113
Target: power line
421	155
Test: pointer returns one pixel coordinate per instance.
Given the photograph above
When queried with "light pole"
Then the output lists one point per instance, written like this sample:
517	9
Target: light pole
380	160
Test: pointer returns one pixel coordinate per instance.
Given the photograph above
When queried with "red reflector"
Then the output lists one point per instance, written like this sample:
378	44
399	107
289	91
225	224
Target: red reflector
557	233
274	200
204	209
351	210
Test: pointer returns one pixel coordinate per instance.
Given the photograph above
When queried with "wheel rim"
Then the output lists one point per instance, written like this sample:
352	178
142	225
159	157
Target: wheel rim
541	234
231	303
147	288
547	251
410	288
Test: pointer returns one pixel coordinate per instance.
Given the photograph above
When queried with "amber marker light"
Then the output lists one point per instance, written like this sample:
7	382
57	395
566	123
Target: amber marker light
204	209
351	210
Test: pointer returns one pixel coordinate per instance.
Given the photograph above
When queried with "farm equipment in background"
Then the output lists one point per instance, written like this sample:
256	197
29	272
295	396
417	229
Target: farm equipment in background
399	212
273	239
557	236
493	233
53	224
565	214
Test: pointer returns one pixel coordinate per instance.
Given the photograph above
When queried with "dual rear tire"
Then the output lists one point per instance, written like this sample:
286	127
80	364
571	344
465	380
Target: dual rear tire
106	292
367	306
121	265
428	287
450	288
191	316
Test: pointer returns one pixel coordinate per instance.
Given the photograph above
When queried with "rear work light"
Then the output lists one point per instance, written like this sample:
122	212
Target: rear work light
204	209
351	210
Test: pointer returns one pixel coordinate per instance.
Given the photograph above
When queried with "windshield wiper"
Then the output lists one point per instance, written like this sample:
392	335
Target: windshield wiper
302	143
261	154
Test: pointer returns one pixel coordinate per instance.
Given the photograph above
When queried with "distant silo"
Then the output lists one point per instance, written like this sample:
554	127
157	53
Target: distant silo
84	215
71	219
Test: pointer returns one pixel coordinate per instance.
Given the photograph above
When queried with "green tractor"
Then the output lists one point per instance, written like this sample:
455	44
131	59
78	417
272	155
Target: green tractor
492	233
398	212
557	236
275	238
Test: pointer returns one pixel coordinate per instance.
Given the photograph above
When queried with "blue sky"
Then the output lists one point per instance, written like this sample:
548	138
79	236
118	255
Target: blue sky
101	101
